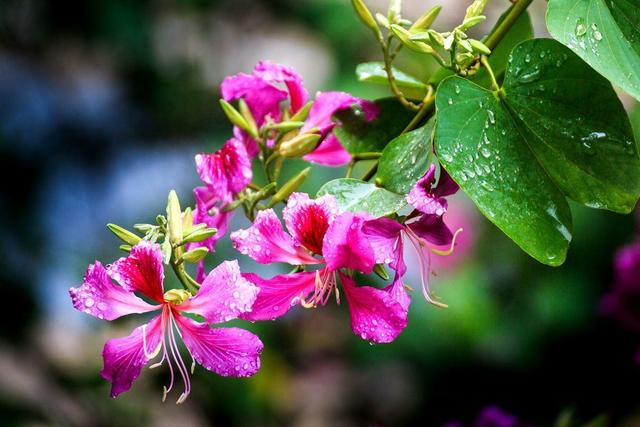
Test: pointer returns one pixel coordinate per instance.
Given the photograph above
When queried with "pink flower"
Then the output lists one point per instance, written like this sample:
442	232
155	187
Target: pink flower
424	231
264	93
223	296
318	235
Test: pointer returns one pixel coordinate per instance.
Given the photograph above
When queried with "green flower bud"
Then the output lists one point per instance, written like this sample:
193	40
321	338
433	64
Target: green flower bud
382	20
476	8
126	248
464	59
395	8
421	36
405	37
285	126
471	22
427	19
299	145
235	117
479	47
288	188
123	234
174	218
381	271
302	113
365	15
199	235
195	255
465	45
436	37
248	117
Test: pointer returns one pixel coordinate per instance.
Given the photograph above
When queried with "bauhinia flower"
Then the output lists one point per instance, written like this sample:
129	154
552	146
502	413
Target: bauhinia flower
270	85
623	301
318	236
424	231
223	296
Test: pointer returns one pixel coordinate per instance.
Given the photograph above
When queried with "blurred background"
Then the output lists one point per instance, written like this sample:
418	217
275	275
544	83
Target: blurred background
103	105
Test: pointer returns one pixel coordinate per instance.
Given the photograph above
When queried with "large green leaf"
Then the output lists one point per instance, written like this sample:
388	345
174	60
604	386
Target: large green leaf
520	31
605	33
374	72
361	136
556	129
356	196
406	159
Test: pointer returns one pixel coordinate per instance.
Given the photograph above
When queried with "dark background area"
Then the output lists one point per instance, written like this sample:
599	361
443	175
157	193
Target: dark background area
103	105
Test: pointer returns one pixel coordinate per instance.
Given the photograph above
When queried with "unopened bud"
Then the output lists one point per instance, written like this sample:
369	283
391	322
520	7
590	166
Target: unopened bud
479	47
405	37
473	21
421	36
174	218
299	146
476	8
381	271
123	234
285	126
382	20
199	235
235	117
302	113
365	14
395	8
126	248
464	59
436	37
195	255
288	188
465	45
427	19
248	117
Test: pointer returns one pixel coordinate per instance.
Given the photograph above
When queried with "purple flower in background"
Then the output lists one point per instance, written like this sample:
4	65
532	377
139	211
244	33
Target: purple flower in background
223	296
424	231
623	300
270	85
491	416
318	235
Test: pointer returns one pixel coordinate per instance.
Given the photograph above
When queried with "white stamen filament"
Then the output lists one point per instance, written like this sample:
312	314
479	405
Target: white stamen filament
325	284
451	247
149	355
177	358
425	265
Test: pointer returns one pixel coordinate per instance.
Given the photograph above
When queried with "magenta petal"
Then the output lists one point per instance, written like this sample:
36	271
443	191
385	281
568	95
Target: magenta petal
142	271
208	212
124	357
432	229
230	352
262	97
428	199
346	246
375	315
282	74
223	295
227	171
397	289
327	104
308	219
99	296
278	294
329	153
266	242
383	235
249	143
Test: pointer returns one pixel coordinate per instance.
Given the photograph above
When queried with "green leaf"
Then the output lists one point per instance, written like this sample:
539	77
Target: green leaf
520	31
360	136
556	129
356	196
374	72
406	159
605	33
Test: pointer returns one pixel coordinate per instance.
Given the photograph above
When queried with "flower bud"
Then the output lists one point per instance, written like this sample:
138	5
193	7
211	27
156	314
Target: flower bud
174	218
285	126
381	271
464	59
465	45
302	113
235	117
365	15
395	8
436	37
299	145
427	19
405	37
382	20
248	117
123	234
479	47
471	22
288	188
199	235
195	255
476	8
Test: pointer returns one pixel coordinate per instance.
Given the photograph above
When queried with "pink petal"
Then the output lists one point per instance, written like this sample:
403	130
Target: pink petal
223	295
230	352
262	97
432	229
398	292
429	199
249	143
308	219
327	104
346	246
227	171
329	153
282	74
99	296
278	294
375	315
383	235
124	357
266	242
208	211
141	271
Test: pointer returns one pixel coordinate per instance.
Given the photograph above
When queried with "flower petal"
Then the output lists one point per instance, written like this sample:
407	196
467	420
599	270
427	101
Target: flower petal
208	212
308	219
124	357
327	104
375	315
223	295
282	74
229	352
266	242
346	246
432	229
261	96
227	171
429	199
278	294
383	235
141	271
99	296
329	153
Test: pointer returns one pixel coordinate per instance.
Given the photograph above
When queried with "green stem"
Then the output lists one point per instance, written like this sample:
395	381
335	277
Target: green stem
371	172
501	30
427	105
178	268
494	82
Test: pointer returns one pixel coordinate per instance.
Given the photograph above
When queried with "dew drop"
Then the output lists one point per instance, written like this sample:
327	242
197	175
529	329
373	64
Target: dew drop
89	302
581	29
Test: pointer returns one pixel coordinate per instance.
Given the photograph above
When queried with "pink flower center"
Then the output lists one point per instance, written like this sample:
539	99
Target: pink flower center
325	285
